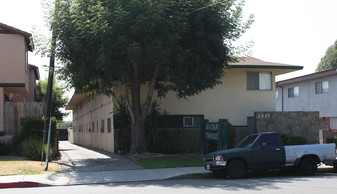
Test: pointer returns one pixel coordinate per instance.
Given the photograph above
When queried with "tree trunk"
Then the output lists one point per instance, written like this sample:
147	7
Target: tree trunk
138	144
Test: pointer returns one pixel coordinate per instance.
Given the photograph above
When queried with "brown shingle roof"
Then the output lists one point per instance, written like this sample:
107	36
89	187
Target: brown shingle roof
252	62
5	29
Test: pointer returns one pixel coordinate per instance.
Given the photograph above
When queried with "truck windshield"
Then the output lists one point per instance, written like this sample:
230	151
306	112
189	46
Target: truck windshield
247	142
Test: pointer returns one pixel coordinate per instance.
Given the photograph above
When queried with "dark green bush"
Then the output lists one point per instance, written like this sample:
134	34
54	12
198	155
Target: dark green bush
293	139
5	148
331	140
31	148
32	127
179	141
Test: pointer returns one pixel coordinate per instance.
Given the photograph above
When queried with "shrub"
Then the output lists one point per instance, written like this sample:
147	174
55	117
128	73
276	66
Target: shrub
31	148
293	139
178	141
4	148
331	140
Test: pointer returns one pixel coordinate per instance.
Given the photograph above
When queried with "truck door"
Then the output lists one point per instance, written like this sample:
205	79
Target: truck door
268	152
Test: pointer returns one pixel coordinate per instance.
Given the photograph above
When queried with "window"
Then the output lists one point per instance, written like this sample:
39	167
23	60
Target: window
276	94
259	81
109	125
333	123
102	126
188	121
321	87
293	92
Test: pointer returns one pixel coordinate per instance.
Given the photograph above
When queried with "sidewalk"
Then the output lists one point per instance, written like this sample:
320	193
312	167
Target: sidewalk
80	165
76	178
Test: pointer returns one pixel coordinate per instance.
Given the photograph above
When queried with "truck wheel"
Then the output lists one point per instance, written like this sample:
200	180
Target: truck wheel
236	169
308	166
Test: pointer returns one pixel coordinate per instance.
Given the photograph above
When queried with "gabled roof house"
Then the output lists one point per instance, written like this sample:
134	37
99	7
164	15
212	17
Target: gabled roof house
247	86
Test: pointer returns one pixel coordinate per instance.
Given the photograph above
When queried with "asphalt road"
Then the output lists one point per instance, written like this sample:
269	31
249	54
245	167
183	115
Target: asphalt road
255	183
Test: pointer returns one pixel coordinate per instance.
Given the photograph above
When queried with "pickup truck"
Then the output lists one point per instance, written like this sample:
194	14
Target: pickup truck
265	151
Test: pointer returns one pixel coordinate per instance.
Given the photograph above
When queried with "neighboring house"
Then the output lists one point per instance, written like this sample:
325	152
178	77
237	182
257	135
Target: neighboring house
313	92
17	79
248	86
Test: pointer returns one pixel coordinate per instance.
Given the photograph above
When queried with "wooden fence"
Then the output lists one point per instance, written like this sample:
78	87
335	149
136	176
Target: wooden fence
15	111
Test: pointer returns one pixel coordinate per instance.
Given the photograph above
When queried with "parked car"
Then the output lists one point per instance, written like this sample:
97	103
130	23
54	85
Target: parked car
265	151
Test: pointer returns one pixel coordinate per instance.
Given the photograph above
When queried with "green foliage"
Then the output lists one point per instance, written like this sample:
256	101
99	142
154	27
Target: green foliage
5	148
58	101
179	141
329	60
166	45
331	140
64	124
293	139
32	127
31	148
122	126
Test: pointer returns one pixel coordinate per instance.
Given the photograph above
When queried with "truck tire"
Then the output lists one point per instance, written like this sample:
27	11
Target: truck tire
236	169
308	166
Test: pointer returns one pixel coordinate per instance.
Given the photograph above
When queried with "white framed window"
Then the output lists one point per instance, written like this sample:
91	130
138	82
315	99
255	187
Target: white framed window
259	81
333	123
293	92
188	121
321	87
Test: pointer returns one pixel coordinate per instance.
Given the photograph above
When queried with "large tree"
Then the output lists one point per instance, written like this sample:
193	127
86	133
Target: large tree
58	101
329	60
161	45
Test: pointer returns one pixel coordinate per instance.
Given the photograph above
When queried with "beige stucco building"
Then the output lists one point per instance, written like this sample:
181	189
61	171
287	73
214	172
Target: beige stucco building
248	86
17	77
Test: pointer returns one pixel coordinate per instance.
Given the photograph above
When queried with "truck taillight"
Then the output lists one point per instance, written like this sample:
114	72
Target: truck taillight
336	149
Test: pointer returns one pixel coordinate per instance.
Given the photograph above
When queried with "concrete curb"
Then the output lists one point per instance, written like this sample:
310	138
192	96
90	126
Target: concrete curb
19	184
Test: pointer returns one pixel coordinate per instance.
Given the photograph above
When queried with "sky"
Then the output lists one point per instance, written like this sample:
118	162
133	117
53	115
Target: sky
295	32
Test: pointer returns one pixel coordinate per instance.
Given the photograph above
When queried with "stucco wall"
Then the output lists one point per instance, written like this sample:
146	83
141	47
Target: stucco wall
94	111
2	103
307	100
12	59
230	100
294	123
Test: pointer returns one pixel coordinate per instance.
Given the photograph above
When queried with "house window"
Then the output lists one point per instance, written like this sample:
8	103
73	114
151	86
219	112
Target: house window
109	125
293	92
333	123
188	121
321	87
102	126
259	81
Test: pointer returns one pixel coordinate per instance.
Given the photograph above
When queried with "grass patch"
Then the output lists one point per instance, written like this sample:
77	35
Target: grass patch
152	163
16	165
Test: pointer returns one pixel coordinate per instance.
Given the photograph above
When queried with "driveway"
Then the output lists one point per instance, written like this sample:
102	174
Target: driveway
76	158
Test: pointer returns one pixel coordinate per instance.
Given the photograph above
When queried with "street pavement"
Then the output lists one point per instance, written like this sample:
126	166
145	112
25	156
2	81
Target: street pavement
81	165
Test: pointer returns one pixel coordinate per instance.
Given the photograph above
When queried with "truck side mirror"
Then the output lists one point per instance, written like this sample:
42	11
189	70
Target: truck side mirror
263	145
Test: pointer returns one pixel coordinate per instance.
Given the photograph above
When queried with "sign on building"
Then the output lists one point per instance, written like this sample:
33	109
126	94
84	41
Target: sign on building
214	131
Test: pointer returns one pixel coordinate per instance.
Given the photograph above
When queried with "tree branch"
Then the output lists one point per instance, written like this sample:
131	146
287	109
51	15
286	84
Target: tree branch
152	84
126	95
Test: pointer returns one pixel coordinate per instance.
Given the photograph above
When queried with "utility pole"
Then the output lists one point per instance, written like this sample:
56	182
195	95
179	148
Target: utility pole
47	124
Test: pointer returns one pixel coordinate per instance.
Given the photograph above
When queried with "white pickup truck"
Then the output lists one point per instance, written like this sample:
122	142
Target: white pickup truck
263	151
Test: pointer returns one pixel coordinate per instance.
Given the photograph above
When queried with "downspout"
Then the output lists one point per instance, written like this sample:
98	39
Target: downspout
282	99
